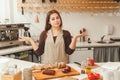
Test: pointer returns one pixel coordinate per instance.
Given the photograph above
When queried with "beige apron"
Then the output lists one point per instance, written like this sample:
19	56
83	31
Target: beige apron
54	52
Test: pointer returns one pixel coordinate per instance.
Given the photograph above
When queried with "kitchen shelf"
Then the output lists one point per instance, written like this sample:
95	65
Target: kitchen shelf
13	26
68	5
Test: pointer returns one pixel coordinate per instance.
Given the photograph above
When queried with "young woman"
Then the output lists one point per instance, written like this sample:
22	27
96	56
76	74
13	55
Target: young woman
55	44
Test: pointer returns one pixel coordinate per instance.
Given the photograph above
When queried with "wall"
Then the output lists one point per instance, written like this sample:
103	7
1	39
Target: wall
4	10
95	23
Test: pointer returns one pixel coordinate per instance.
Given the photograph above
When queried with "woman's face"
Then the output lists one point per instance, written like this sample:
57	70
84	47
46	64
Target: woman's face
55	20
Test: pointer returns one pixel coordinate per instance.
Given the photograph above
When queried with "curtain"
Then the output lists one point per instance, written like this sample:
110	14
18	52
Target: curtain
105	54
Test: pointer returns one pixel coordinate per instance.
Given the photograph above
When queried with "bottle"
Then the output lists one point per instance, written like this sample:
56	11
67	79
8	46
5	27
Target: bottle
16	69
80	37
84	38
88	70
83	66
89	41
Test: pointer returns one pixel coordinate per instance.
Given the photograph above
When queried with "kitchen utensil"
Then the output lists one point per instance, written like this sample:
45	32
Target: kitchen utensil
115	39
89	41
77	63
22	10
55	1
23	1
80	37
2	35
43	1
37	19
27	33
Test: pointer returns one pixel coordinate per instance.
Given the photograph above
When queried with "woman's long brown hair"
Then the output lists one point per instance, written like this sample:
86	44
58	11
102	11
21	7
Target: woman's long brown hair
47	25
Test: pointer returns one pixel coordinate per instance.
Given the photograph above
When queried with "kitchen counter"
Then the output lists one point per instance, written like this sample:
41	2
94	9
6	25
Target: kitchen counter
102	52
100	68
15	49
78	45
24	64
95	44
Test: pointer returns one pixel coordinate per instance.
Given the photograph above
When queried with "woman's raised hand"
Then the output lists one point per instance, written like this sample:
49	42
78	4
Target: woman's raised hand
80	35
84	34
24	39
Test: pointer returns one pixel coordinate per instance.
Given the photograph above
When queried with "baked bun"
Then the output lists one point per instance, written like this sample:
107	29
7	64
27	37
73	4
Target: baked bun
57	65
61	65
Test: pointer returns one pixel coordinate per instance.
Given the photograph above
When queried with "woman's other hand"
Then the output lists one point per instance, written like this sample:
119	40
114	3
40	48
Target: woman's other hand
80	35
74	39
84	34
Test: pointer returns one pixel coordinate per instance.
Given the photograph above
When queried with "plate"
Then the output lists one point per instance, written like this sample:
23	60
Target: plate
95	79
92	67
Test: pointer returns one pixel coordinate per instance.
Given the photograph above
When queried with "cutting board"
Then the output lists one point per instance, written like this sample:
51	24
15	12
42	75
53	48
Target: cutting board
95	79
58	74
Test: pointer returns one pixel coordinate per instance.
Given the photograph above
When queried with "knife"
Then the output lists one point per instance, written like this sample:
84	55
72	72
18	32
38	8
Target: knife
77	63
43	1
23	1
22	10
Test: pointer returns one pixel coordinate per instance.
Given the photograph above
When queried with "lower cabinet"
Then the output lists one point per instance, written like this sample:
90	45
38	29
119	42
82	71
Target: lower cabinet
27	55
80	54
23	55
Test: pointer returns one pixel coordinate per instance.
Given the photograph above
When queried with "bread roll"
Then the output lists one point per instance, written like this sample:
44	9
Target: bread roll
49	72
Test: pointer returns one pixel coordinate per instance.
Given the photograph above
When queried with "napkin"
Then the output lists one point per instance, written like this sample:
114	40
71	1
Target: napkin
112	65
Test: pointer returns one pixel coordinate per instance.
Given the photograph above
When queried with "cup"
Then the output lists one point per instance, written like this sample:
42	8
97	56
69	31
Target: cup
84	64
27	74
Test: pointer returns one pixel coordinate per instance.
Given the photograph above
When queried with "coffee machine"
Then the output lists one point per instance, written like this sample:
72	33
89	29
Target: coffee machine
9	34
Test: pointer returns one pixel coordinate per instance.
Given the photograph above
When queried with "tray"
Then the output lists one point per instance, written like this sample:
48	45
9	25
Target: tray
58	74
95	79
93	67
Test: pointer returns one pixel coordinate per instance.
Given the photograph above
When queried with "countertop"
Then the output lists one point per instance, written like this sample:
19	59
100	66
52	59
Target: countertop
78	45
24	64
95	44
15	49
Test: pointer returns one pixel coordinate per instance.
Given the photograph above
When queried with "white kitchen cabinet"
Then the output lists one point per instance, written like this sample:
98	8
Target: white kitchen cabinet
80	54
